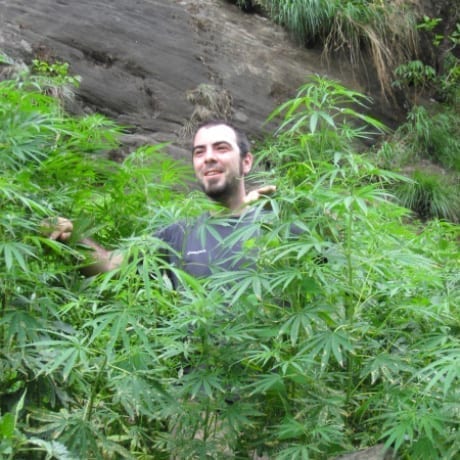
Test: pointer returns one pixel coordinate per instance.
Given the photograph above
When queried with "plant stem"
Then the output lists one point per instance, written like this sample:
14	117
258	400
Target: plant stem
349	308
94	390
349	302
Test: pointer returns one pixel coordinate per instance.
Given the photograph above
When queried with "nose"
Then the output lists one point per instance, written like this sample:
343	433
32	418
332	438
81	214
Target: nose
209	155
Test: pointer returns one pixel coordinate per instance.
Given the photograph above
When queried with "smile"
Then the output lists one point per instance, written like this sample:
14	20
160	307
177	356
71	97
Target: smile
212	172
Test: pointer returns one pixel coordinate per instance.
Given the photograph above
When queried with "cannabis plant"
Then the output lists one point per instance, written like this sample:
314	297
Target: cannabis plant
51	369
341	333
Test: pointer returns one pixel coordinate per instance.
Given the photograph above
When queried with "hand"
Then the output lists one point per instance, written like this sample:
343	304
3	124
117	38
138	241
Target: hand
258	193
57	228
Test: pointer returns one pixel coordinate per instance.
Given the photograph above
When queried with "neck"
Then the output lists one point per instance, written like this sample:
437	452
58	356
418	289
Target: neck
233	205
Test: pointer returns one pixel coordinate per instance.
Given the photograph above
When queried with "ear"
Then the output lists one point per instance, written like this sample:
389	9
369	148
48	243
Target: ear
247	163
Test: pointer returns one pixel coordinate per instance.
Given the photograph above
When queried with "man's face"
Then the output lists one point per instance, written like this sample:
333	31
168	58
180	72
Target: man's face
218	164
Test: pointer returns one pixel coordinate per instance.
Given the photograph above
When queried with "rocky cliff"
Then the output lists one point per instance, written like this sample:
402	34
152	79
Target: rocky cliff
159	66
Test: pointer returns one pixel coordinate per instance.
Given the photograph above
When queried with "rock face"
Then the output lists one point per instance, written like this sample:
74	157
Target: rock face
377	452
159	66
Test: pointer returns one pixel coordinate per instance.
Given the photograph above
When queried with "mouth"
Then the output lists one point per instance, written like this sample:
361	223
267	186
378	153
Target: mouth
212	172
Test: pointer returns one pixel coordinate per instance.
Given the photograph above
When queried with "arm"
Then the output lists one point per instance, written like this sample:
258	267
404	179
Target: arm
100	260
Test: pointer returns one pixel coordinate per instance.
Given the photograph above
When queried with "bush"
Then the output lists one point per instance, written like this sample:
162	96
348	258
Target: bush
426	149
344	334
430	195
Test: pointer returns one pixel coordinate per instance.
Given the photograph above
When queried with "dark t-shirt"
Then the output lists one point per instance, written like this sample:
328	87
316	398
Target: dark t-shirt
209	244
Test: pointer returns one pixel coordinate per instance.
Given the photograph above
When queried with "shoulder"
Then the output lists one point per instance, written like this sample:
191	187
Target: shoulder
170	232
176	231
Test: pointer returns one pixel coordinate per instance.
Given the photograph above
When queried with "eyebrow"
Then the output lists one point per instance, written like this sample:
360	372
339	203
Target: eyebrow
214	144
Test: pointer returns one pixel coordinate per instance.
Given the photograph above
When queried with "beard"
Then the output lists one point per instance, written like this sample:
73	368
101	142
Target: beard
222	192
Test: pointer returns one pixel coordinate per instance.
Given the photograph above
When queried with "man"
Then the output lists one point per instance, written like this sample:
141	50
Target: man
221	159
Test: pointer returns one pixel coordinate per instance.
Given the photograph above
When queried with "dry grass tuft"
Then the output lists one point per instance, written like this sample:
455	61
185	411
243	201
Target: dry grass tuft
209	102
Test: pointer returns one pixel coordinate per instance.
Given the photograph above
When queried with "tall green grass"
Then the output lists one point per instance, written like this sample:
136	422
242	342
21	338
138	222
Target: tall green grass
426	149
383	34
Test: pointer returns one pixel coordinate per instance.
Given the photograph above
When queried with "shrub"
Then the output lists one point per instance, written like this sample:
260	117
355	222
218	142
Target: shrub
430	195
343	335
428	139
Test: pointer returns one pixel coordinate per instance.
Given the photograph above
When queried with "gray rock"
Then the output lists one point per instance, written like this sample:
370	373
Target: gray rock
377	452
160	66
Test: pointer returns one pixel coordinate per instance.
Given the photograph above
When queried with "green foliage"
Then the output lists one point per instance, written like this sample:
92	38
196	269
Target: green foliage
54	164
445	82
345	334
415	74
430	24
431	140
324	121
418	78
321	121
430	196
364	31
48	78
449	81
434	136
58	72
305	19
383	33
430	135
5	59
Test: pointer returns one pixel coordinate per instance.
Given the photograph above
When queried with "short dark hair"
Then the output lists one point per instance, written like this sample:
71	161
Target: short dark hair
241	137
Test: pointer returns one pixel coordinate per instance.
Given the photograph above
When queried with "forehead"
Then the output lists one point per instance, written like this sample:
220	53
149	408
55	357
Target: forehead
213	134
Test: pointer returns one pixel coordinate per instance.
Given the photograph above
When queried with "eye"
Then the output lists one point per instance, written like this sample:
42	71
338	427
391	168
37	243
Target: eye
223	148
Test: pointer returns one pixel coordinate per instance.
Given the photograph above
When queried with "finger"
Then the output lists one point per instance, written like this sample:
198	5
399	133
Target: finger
64	224
59	228
64	236
267	190
55	235
252	196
